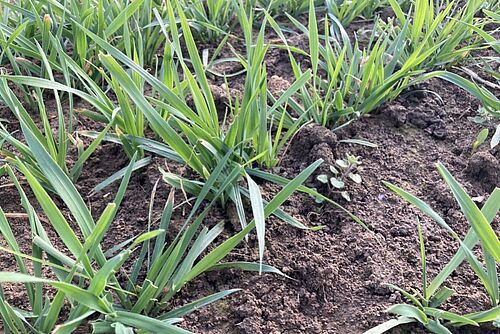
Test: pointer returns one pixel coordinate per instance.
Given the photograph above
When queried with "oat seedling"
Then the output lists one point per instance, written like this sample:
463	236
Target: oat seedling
85	276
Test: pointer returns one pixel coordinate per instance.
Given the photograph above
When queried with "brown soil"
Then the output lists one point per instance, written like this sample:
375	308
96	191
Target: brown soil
339	272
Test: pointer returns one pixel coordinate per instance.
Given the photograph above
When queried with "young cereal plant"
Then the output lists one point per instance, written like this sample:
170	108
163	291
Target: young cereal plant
480	139
424	305
58	143
84	275
349	81
125	24
348	10
282	7
210	19
448	28
125	118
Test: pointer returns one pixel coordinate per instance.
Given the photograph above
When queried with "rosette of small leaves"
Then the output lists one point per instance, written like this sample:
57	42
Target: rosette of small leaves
344	171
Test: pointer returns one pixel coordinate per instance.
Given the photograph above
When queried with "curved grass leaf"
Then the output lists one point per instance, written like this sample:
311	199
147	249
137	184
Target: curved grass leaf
479	223
410	312
78	294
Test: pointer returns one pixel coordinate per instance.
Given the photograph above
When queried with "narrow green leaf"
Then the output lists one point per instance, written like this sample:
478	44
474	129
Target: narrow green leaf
409	311
258	212
475	217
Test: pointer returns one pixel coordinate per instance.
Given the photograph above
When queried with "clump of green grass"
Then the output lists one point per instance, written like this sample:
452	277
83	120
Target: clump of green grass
447	28
424	306
347	11
125	24
58	142
223	156
55	61
210	19
282	7
32	91
85	276
349	81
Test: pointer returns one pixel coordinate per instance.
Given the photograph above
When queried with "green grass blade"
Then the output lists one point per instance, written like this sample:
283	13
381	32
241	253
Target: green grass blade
78	294
145	323
409	311
258	216
190	307
474	216
120	174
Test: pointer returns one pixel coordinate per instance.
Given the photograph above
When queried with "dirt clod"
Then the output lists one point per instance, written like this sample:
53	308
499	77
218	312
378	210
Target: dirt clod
484	168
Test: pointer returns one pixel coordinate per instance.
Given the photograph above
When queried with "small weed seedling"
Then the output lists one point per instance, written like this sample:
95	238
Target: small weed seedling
495	140
345	170
480	139
483	136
